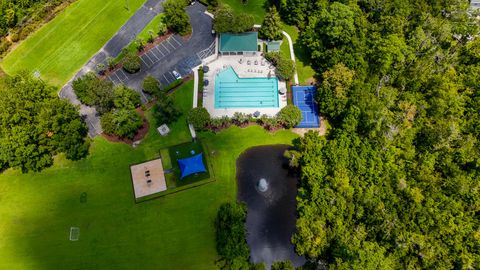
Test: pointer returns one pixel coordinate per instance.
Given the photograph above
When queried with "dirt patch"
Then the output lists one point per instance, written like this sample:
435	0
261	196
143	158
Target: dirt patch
311	81
140	133
322	129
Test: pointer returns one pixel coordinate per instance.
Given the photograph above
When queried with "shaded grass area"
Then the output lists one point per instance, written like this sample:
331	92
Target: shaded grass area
256	8
302	59
65	44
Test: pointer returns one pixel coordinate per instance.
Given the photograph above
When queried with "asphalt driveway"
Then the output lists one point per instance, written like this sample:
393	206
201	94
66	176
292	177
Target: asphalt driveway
175	53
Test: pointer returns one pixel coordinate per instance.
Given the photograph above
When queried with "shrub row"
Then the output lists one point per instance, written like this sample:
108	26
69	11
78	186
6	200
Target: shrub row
172	86
288	117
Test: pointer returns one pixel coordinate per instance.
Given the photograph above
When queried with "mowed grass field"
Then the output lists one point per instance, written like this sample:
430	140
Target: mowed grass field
256	8
65	44
171	232
302	60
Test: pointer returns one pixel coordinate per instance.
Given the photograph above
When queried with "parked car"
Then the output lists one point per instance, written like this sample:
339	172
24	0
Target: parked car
176	75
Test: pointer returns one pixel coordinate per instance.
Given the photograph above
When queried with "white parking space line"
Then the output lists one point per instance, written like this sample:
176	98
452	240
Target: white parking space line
146	55
141	58
179	44
123	73
165	53
112	80
168	82
115	82
168	41
165	47
173	77
116	75
154	55
159	51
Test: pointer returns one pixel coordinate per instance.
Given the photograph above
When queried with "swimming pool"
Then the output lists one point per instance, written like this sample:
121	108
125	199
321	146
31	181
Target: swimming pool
234	92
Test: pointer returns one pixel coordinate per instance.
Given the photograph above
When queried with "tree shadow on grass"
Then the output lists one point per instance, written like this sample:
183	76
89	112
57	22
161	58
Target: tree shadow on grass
301	53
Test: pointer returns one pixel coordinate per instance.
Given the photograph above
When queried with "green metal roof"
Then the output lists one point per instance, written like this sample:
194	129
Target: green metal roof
273	46
244	42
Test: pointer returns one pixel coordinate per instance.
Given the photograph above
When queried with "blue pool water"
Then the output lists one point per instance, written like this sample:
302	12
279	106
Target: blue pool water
234	92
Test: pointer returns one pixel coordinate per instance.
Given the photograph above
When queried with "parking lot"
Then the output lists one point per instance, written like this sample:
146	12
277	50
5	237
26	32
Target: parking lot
160	51
176	53
150	58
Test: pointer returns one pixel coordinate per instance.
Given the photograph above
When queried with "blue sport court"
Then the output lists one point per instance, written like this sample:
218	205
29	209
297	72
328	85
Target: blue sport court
304	98
234	92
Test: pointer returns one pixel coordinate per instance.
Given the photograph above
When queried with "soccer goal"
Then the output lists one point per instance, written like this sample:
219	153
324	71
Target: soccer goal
74	233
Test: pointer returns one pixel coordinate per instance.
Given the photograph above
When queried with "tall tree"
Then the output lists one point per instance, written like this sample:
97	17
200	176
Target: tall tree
226	21
272	26
35	125
394	185
176	17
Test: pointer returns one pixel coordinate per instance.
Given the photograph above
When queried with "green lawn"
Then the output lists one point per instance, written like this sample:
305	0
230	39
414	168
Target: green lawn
64	45
302	60
152	26
256	8
171	232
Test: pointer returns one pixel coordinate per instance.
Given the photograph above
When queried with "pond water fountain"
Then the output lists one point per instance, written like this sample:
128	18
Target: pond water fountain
262	185
269	190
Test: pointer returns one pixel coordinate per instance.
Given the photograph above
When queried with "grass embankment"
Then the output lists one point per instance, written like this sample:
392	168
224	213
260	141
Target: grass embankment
65	44
171	232
302	60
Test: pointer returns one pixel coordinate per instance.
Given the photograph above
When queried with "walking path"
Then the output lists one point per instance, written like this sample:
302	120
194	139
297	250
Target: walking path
292	54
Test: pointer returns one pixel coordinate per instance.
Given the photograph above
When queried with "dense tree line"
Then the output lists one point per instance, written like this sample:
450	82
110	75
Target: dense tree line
176	18
35	125
272	26
395	184
227	21
14	12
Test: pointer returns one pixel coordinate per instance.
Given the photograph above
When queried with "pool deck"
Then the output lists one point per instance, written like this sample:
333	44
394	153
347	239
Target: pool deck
245	67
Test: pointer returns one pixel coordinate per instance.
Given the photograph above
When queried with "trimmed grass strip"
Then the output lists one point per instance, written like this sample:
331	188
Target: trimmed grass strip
64	45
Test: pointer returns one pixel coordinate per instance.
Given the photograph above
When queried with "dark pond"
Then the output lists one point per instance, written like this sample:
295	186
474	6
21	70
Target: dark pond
271	213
